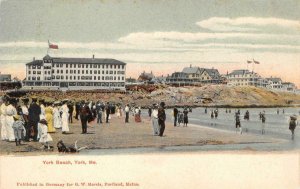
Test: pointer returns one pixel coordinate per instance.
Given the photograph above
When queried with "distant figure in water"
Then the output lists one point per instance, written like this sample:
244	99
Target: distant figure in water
247	115
277	111
205	111
260	115
282	111
226	111
229	110
292	125
216	113
238	122
263	121
212	115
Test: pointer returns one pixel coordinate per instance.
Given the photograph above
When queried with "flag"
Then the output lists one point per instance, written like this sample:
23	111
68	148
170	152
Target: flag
256	62
249	62
52	46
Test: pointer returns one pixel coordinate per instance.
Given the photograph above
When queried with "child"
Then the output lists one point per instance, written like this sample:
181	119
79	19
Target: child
45	136
18	127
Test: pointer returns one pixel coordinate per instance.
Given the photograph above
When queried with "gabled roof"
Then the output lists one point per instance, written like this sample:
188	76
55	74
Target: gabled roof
274	79
213	73
78	60
239	72
191	70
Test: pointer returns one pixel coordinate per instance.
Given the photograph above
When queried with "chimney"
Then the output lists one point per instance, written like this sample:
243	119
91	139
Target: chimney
33	58
93	56
190	65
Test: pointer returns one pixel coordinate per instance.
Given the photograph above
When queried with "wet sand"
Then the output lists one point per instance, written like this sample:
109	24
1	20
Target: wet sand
118	135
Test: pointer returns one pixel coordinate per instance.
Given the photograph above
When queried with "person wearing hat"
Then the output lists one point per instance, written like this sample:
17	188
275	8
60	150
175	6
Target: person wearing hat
85	113
71	109
238	122
34	112
42	105
185	117
154	119
49	116
18	127
56	115
292	125
3	118
10	112
161	118
45	137
175	115
24	113
127	110
65	117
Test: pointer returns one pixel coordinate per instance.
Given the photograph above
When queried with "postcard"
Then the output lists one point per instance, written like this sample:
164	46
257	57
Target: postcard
149	94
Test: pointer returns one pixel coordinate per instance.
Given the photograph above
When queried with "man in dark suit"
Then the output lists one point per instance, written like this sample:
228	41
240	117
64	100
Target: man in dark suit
84	116
77	109
107	111
71	109
34	118
161	118
175	114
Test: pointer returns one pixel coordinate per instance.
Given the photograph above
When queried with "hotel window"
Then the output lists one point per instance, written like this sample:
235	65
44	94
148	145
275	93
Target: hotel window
119	78
79	65
57	77
62	77
98	65
110	66
74	65
67	71
122	66
115	66
49	72
106	72
111	72
75	71
71	71
61	71
45	72
102	77
34	72
29	78
86	71
67	65
95	65
115	72
38	78
70	77
118	66
71	65
122	78
29	72
38	67
103	66
102	71
94	77
61	65
95	71
91	65
98	77
74	77
91	72
106	65
98	71
115	78
67	77
82	71
78	77
33	67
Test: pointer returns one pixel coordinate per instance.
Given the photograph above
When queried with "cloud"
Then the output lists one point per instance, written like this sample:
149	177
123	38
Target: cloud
249	24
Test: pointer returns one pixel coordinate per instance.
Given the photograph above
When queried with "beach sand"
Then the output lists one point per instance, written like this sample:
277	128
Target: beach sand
117	135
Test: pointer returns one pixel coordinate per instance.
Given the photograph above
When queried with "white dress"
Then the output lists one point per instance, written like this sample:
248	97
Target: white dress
65	118
56	118
10	112
42	115
45	136
3	122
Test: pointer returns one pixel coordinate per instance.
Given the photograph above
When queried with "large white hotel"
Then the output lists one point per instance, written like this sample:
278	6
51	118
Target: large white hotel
75	74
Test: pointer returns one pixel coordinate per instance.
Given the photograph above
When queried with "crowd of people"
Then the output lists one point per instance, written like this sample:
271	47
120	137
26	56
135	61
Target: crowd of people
34	120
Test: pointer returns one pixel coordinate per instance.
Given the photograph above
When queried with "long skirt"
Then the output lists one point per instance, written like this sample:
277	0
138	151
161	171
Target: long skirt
49	119
65	122
9	128
155	126
3	128
137	118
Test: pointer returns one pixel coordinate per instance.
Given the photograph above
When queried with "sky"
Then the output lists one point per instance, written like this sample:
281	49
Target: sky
156	35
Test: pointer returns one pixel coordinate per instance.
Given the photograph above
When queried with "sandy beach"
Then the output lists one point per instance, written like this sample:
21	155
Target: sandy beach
118	135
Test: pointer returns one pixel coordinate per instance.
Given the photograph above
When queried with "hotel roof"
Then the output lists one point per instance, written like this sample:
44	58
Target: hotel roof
77	61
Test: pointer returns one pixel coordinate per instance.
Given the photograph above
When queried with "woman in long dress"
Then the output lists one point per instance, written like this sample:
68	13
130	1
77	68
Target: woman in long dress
65	117
10	112
3	120
137	116
56	116
49	117
154	118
